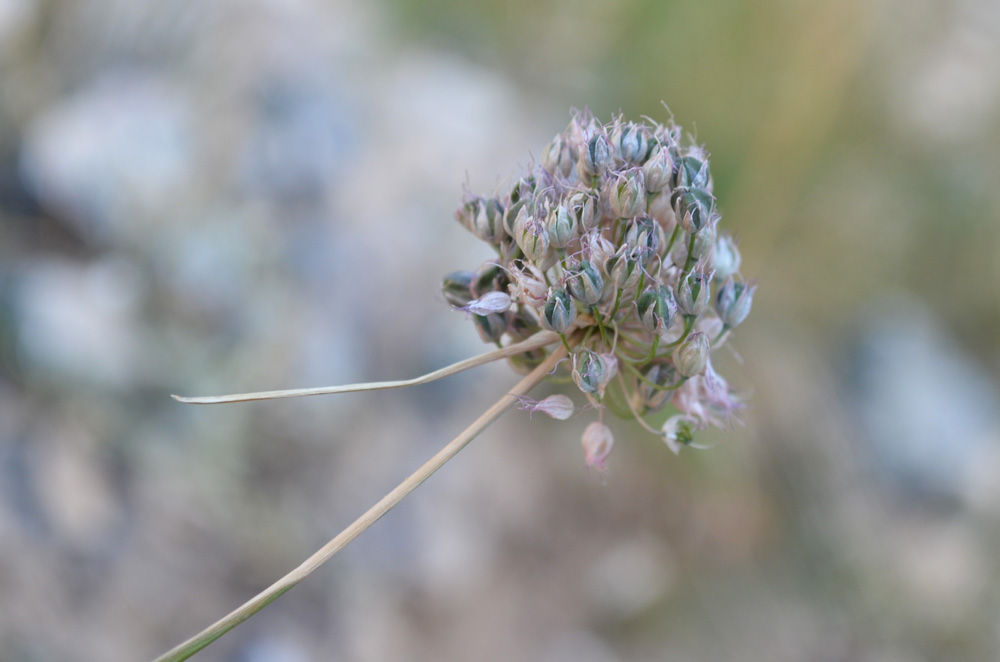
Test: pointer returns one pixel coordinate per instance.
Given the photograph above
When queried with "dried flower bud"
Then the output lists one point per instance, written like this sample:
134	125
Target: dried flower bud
562	226
726	260
733	301
491	302
559	311
693	293
585	283
457	287
679	431
691	356
656	309
597	248
693	172
643	238
623	269
632	142
527	285
658	169
559	407
490	326
595	159
627	193
598	441
693	208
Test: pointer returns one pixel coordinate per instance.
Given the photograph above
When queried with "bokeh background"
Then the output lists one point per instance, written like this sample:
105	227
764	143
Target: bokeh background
224	195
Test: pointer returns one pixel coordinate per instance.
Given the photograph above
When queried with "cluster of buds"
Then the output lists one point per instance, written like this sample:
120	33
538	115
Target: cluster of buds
612	242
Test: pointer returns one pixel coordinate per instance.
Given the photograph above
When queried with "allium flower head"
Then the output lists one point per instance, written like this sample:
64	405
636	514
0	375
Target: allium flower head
612	242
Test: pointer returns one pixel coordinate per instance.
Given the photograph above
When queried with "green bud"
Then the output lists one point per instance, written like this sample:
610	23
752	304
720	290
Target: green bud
491	326
691	356
589	370
693	208
733	301
533	239
632	142
484	218
693	293
585	283
457	288
627	193
704	242
562	226
656	309
583	206
559	311
693	172
595	159
623	269
643	238
558	157
664	375
490	278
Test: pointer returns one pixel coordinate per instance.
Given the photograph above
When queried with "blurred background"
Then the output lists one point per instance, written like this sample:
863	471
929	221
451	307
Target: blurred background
227	196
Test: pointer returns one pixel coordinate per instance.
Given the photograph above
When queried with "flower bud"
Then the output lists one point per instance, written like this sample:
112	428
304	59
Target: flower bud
704	242
664	375
559	311
656	309
733	301
583	206
691	356
527	285
457	287
484	218
491	326
623	269
517	212
562	226
592	372
679	431
693	293
658	169
598	441
643	238
627	193
559	158
522	324
585	283
726	260
533	239
632	142
595	159
693	208
693	172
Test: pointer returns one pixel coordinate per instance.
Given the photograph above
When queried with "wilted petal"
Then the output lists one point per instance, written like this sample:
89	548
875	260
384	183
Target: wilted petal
597	444
559	407
491	302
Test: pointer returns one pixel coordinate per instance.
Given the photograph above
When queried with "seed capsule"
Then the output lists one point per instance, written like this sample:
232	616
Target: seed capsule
733	301
691	356
585	283
693	293
656	309
559	311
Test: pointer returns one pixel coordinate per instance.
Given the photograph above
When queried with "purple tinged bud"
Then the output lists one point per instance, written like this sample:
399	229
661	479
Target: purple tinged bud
562	226
598	441
596	157
693	293
627	193
533	239
491	302
559	311
726	259
656	309
486	219
558	158
632	141
658	169
457	287
583	206
733	301
691	356
585	283
559	407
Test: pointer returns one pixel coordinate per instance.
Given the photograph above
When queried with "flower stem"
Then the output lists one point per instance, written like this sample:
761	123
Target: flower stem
268	595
